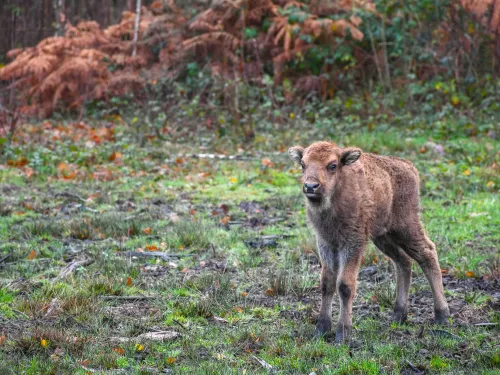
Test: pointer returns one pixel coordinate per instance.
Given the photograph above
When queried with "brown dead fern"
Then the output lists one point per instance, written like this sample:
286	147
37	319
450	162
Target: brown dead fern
72	69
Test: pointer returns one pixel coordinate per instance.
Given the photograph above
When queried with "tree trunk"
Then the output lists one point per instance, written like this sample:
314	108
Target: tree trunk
59	11
137	25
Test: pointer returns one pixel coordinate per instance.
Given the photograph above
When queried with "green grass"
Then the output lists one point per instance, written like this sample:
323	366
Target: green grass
230	301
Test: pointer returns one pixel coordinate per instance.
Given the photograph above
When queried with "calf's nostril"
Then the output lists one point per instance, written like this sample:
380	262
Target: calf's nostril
310	188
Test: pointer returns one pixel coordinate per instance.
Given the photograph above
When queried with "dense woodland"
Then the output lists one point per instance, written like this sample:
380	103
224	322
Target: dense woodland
308	48
25	23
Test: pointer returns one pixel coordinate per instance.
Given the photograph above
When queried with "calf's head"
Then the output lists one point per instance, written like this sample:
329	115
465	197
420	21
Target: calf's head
322	167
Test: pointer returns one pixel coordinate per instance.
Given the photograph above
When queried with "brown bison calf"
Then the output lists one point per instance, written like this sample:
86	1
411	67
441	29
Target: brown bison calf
353	197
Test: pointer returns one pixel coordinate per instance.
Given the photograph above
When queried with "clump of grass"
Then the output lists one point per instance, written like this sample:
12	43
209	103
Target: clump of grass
5	210
292	282
217	296
6	299
82	229
72	300
105	226
45	228
190	234
384	294
44	339
285	203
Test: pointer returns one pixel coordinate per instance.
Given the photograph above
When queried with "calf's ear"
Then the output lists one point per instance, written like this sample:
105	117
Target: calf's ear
350	155
296	153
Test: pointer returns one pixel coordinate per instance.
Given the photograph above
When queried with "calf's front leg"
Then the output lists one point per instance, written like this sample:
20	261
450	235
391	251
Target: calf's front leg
328	281
329	269
346	287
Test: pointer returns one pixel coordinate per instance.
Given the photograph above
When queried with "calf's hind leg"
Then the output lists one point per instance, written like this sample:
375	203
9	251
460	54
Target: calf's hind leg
417	245
402	263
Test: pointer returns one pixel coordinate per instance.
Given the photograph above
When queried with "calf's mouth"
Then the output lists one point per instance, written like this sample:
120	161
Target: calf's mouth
313	197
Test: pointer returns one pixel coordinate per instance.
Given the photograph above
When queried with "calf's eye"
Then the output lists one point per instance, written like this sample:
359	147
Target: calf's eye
332	166
303	166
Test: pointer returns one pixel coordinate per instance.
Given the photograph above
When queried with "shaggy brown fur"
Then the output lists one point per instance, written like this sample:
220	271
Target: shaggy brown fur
353	197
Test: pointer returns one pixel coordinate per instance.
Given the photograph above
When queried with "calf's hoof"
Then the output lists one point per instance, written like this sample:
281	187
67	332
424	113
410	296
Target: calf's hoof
322	328
343	334
442	317
399	315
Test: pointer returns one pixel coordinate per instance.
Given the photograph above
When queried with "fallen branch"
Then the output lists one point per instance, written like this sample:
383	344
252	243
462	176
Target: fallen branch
71	195
180	324
486	324
126	298
70	268
157	254
421	330
264	364
413	368
153	336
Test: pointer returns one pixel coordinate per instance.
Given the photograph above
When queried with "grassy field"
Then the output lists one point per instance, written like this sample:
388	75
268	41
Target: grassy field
84	207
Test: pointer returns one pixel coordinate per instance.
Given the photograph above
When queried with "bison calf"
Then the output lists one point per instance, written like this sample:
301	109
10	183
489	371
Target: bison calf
353	197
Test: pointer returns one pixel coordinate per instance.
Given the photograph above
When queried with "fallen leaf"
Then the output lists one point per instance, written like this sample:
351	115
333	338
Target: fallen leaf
116	157
490	184
29	172
62	167
270	292
118	350
151	247
455	100
225	220
19	163
466	172
85	362
192	211
267	163
32	255
129	281
171	360
470	274
2	338
146	230
244	294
